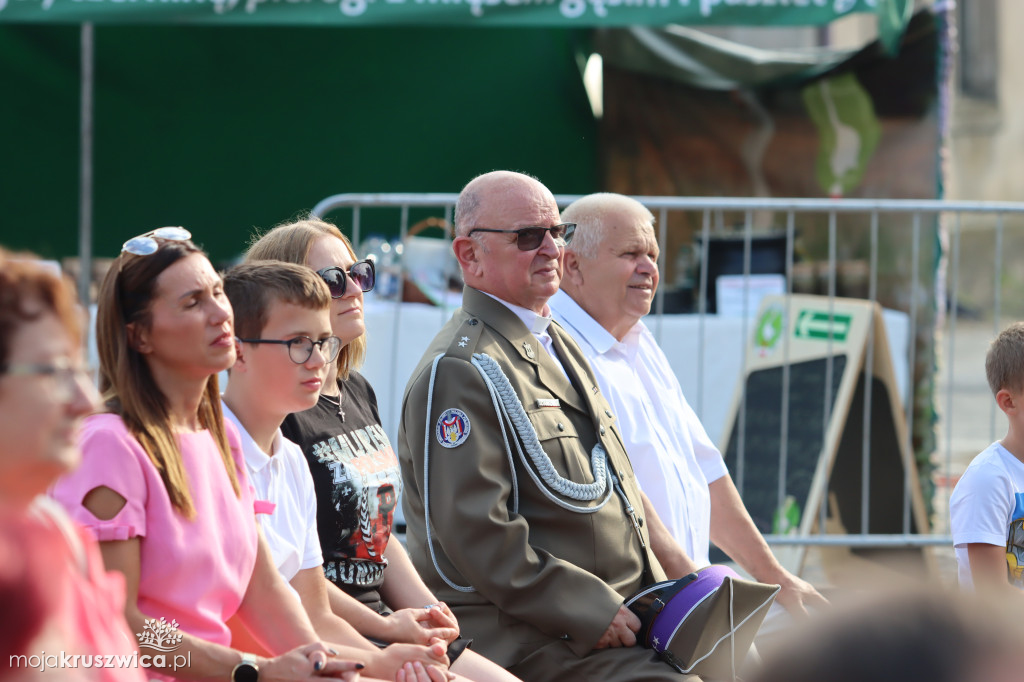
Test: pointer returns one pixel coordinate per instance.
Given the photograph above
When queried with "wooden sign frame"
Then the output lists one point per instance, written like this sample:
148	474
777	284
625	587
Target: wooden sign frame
801	344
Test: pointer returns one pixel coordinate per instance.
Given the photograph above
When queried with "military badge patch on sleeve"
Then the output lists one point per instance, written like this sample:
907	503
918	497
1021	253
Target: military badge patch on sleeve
452	428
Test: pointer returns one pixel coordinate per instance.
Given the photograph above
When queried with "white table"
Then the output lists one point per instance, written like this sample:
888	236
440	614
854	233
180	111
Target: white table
706	353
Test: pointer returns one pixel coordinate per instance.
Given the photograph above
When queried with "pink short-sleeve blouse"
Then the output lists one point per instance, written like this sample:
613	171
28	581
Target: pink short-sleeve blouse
195	572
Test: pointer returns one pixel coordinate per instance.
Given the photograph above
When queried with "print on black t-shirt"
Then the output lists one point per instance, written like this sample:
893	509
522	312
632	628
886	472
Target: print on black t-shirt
357	481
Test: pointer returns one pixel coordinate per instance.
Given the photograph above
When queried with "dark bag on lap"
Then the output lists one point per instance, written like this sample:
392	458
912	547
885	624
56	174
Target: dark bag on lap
705	622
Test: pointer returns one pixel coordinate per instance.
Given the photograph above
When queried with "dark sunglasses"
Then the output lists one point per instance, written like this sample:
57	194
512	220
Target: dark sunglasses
530	238
362	274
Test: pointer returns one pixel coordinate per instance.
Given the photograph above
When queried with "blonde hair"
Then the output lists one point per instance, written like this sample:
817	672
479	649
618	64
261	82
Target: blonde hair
128	386
291	242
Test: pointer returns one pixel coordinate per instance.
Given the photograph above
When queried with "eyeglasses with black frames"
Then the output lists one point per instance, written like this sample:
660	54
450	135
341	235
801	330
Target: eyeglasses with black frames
146	244
300	348
530	238
67	376
363	275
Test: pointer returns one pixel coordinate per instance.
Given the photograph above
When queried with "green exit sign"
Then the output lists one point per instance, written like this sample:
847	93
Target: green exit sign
814	324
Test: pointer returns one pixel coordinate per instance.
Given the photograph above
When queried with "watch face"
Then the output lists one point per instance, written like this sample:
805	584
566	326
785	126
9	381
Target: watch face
245	672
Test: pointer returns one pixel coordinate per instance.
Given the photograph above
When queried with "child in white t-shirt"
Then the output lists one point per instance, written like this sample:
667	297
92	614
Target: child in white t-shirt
987	506
285	343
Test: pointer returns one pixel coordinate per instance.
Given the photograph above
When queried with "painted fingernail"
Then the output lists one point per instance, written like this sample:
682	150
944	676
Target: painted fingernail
359	666
333	652
317	665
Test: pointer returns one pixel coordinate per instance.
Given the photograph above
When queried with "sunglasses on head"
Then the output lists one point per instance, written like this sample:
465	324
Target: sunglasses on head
362	274
146	244
530	238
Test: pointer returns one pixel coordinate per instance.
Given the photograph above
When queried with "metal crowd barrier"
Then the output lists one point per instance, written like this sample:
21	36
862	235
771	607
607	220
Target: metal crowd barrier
923	238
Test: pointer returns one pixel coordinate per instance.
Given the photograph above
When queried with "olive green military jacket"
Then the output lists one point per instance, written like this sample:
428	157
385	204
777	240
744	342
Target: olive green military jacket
526	572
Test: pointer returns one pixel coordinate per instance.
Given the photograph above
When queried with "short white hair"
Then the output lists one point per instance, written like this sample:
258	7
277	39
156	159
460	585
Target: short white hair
589	214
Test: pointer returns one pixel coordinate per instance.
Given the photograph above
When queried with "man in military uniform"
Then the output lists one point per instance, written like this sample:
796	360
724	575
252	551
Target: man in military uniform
522	508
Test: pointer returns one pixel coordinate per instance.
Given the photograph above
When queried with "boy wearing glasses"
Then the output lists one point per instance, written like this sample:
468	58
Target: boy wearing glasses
285	346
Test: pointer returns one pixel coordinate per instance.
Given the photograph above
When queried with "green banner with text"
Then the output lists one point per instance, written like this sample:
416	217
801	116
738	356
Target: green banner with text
892	14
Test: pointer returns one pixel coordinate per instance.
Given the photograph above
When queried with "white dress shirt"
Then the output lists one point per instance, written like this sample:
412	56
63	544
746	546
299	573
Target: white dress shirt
283	479
672	455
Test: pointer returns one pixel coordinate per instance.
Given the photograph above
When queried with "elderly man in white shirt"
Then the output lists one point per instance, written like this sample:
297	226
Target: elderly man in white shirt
610	277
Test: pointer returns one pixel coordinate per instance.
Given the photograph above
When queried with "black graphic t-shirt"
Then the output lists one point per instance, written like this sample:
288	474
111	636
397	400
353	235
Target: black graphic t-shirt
357	483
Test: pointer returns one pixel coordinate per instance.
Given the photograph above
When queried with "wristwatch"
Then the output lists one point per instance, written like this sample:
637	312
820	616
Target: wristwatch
246	670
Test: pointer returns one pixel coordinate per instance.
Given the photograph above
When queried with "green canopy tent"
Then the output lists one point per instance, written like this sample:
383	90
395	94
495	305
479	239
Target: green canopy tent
455	14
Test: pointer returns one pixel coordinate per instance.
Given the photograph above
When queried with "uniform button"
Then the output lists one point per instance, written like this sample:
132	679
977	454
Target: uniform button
473	322
602	430
566	637
561	426
608	413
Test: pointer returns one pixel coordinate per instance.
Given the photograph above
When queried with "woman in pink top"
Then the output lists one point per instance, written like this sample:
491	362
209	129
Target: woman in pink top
55	594
163	485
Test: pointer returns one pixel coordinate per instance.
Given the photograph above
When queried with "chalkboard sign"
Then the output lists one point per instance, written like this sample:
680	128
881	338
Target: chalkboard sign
887	476
758	483
822	341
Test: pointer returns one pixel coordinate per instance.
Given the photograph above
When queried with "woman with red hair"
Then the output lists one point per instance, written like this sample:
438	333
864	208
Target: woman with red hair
56	595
